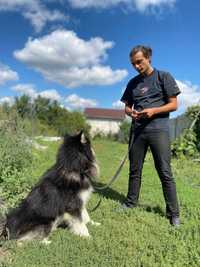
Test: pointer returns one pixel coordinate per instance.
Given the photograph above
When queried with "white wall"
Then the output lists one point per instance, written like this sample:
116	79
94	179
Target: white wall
103	126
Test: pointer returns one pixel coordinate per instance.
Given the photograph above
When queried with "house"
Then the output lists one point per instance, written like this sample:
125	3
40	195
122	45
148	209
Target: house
105	121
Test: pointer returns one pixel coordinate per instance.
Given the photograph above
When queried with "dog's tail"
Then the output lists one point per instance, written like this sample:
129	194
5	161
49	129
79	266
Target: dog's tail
4	232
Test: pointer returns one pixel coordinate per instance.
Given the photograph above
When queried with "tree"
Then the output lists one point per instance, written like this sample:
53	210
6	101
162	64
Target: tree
41	108
23	106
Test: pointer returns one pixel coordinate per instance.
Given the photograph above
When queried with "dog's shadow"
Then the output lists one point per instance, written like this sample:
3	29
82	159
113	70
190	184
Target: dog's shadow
112	194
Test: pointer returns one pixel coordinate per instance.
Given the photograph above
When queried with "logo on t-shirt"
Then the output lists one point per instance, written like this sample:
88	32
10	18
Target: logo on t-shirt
144	90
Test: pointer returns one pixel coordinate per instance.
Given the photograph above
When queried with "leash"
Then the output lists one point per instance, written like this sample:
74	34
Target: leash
115	176
118	170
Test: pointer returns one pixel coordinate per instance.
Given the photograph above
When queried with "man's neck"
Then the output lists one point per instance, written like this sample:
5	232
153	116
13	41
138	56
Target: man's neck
149	71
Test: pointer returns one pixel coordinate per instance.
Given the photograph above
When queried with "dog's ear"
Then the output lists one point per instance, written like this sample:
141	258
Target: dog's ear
66	136
83	138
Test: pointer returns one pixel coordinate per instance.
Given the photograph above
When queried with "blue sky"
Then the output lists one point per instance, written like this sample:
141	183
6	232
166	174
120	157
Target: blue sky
76	51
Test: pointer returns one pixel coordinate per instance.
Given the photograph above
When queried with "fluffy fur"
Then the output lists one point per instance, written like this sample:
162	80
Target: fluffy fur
59	197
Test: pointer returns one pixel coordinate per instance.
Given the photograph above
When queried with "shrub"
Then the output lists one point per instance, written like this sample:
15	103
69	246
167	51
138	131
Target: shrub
193	113
124	131
35	127
71	122
108	136
15	157
185	145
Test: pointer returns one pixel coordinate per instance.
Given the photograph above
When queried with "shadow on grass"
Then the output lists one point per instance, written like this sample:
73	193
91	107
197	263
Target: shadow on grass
112	194
154	209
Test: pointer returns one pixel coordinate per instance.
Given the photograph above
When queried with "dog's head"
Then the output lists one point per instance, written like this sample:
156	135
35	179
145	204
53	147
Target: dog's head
77	155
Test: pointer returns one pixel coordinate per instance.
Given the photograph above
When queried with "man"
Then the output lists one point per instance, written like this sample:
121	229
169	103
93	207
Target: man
148	98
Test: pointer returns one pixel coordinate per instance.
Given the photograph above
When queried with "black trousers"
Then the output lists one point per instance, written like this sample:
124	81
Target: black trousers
159	143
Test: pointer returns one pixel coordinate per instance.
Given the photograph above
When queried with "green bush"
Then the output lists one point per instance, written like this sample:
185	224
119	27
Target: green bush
71	122
185	145
103	136
193	113
124	131
35	127
15	157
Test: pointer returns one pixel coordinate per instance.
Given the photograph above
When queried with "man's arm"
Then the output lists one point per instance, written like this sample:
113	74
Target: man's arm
131	112
170	106
128	109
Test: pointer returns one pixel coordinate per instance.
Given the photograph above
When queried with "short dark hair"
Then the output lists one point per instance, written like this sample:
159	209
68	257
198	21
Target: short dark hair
146	50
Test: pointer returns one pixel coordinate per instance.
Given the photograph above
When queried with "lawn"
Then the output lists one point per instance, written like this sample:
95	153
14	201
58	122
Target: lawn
141	237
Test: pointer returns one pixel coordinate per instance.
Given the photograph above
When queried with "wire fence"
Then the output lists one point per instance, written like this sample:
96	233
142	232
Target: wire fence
178	125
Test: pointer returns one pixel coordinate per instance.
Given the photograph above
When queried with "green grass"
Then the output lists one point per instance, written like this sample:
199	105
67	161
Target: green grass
141	237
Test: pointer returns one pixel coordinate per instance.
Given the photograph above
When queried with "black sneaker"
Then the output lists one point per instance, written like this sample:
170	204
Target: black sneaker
175	221
124	207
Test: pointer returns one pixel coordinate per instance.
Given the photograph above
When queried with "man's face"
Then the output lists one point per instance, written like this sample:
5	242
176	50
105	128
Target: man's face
140	62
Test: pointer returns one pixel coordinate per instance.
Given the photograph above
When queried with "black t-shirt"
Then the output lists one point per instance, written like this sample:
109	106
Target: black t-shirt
148	92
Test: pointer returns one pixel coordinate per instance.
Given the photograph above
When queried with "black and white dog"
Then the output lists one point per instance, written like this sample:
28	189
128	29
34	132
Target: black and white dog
59	197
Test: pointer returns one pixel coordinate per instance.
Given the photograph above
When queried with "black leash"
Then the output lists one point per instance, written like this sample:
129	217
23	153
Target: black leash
115	176
118	170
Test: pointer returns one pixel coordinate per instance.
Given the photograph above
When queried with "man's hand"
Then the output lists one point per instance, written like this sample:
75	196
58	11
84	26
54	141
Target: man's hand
135	114
150	112
147	113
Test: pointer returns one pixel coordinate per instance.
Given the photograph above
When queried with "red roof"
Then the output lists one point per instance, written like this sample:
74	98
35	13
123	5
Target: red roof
102	113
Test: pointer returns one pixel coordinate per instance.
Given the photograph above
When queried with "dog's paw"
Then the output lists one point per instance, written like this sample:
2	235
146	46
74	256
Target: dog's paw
19	244
80	229
95	223
88	236
46	241
83	232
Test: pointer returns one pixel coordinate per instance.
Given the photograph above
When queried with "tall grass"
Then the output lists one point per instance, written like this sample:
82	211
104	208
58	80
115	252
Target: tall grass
15	159
141	237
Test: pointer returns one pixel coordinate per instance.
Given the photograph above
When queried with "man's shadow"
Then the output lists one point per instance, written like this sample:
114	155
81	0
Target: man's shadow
109	193
112	194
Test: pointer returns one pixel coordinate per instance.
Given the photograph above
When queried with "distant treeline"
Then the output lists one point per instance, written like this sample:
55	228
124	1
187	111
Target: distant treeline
43	116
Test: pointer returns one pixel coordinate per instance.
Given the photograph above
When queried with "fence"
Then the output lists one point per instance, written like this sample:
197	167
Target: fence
177	125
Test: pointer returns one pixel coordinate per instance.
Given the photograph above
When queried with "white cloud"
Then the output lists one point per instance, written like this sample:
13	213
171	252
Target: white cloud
33	10
32	92
50	94
190	95
118	104
143	5
6	74
25	89
97	75
140	5
65	58
63	48
74	101
96	3
8	100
